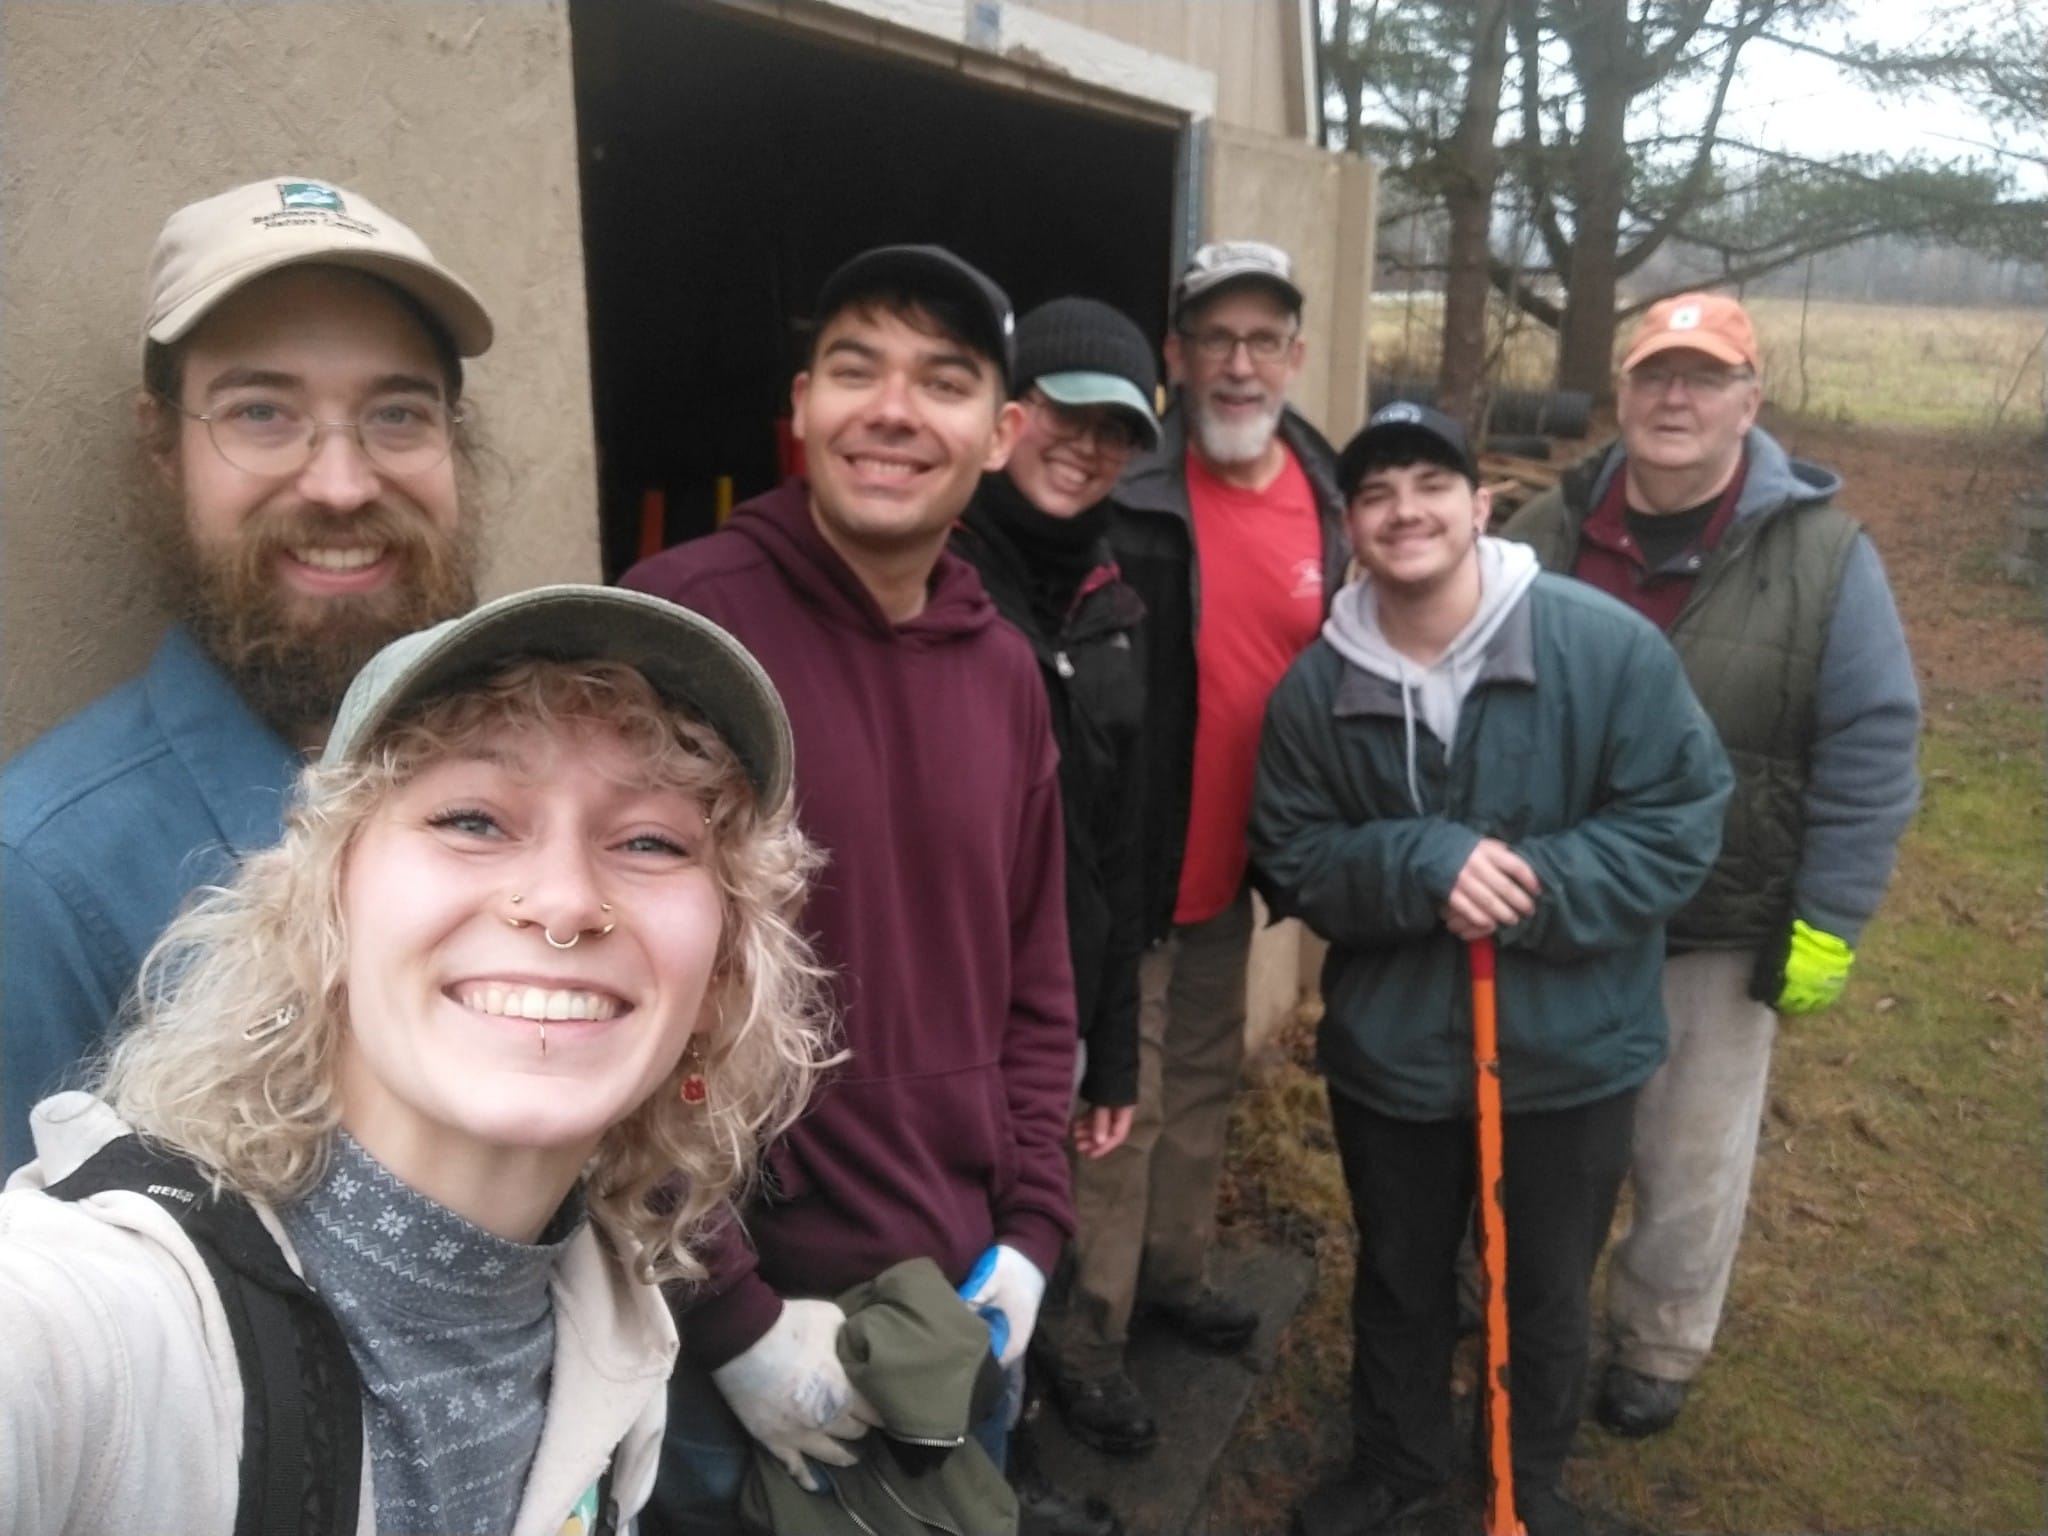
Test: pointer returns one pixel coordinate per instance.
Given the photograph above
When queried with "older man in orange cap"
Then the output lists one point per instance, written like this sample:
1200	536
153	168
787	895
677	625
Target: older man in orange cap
1778	606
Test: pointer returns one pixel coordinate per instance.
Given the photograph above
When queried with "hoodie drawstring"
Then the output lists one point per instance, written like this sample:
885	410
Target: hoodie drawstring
1408	722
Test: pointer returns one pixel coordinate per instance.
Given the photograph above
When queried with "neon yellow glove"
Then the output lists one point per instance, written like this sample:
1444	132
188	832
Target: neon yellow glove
1816	969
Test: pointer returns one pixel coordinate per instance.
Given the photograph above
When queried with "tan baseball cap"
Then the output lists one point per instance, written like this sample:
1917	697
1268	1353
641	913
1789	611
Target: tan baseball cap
211	248
1711	323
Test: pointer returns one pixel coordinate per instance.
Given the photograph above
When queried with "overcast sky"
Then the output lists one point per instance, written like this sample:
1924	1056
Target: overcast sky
1795	100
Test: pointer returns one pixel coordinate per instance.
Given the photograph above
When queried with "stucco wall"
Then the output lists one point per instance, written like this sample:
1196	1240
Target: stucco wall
1253	47
456	117
1319	207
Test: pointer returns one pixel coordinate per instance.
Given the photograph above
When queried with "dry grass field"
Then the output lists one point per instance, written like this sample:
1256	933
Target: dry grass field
1891	365
1881	1367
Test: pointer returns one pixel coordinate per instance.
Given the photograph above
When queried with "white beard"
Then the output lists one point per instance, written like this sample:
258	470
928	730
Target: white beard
1238	442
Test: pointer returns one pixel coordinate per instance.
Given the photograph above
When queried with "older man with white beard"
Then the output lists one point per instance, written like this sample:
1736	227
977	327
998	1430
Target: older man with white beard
301	422
1232	532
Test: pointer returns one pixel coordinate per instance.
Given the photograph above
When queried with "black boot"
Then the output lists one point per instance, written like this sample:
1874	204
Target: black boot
1042	1509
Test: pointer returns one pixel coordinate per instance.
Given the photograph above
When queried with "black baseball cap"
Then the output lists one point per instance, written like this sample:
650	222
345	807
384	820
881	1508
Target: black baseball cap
935	270
1408	430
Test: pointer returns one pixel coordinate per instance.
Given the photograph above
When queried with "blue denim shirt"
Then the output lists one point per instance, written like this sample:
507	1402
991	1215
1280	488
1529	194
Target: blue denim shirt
106	822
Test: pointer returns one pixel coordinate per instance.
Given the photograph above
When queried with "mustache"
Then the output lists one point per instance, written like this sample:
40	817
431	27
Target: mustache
280	531
291	661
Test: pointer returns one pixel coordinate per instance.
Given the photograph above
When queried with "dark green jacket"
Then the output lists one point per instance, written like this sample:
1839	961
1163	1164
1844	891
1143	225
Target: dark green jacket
1580	746
1793	645
921	1358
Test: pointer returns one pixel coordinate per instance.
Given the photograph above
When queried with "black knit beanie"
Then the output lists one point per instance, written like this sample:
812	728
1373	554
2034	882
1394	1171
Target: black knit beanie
1083	336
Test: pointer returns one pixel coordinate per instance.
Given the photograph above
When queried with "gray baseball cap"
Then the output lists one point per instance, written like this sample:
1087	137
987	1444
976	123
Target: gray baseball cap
688	659
1228	263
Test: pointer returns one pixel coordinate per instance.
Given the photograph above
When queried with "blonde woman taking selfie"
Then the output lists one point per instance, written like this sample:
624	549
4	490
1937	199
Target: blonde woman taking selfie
361	1228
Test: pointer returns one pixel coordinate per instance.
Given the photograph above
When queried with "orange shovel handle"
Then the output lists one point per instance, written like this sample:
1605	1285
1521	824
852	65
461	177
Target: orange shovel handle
1501	1519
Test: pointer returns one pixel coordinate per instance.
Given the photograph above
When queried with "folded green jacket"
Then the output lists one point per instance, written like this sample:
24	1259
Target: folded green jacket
921	1358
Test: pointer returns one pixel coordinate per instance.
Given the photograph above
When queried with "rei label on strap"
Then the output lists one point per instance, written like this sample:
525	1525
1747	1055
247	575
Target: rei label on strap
302	1418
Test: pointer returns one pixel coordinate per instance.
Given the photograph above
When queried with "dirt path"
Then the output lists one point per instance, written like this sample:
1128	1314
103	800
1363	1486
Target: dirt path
1939	533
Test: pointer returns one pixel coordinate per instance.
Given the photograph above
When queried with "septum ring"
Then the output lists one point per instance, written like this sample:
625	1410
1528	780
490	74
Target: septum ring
549	934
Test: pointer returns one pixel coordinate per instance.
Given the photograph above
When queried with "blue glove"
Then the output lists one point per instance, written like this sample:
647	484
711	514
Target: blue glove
1004	1288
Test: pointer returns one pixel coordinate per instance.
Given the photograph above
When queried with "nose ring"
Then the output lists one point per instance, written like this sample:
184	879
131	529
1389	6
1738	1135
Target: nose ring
549	934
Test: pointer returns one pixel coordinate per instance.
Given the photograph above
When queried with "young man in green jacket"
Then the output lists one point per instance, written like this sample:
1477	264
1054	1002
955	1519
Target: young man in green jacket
1476	750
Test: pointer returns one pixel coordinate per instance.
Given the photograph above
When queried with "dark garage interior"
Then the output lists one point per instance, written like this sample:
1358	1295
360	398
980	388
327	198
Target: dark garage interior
728	165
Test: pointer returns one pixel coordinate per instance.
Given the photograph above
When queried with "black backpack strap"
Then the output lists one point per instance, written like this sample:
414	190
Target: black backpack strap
607	1510
302	1418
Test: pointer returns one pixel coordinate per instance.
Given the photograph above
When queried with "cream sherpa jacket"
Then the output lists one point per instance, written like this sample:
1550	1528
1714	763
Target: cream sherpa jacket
120	1395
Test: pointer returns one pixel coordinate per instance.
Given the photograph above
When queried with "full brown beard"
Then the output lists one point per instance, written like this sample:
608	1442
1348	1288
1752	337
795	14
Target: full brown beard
292	657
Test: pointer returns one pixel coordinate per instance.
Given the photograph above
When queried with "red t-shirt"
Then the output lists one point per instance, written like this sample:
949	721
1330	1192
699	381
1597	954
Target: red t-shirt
1261	561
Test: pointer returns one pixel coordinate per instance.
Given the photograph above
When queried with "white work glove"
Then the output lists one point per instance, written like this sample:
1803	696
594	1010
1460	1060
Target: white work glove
791	1392
1005	1288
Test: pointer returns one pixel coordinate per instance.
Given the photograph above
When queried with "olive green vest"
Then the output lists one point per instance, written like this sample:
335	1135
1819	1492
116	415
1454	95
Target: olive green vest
1751	636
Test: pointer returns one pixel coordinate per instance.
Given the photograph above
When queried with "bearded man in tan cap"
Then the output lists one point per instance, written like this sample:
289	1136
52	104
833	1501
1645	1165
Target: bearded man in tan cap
301	414
1777	605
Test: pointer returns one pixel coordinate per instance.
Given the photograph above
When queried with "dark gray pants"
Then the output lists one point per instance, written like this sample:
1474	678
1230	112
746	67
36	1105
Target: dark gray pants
1411	1185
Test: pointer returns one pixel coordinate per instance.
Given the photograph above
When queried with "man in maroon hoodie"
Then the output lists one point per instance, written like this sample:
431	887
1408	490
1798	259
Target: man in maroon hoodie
926	770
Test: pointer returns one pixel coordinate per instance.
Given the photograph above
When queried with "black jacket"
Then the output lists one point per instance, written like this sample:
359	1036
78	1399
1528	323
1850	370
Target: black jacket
1094	682
1153	538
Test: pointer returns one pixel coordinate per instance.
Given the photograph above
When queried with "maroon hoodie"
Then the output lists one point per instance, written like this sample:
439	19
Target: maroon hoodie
925	768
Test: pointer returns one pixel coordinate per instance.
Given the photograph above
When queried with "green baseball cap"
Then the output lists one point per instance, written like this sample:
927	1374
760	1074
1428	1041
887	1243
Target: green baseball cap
687	659
1103	389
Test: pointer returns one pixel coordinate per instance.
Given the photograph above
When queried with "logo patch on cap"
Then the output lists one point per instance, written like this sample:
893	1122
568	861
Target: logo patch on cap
1684	318
309	194
1399	411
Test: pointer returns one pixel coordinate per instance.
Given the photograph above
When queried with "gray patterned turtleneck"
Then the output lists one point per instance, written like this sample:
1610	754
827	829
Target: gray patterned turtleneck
453	1330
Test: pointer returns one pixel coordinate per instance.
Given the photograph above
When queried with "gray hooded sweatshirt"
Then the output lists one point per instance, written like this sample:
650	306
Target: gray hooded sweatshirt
1435	692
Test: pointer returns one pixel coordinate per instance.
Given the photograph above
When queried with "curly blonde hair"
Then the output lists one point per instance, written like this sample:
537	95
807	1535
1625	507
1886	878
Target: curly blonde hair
212	1067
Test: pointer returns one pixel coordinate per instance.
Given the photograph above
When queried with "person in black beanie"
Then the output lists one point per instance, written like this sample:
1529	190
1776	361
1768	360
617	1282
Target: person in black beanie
1037	531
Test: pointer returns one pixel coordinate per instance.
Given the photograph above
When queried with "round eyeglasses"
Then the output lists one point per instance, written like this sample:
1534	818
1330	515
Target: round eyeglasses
276	438
1652	380
1108	429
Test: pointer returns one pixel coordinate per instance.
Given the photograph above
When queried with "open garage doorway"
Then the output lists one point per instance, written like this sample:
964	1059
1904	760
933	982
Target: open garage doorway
729	164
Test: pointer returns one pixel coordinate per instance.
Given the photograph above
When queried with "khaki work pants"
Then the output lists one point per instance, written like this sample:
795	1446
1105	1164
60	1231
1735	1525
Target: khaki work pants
1696	1132
1146	1213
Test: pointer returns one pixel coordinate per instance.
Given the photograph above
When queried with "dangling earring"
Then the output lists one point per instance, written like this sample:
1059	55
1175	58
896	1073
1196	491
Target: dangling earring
693	1089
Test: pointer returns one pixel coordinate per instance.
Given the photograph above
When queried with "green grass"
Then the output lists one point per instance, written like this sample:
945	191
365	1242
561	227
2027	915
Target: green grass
1881	1364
